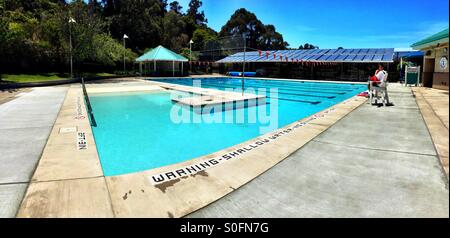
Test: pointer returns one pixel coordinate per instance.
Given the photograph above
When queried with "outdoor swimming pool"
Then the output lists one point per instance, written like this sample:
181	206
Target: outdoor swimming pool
136	132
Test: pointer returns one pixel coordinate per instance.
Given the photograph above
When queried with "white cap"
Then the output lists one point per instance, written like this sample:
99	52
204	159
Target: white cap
125	36
71	20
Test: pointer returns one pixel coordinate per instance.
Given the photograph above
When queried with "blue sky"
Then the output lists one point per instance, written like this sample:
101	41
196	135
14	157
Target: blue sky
334	23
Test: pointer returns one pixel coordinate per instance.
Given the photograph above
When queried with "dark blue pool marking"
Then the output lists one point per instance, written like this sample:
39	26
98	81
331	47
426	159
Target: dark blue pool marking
304	101
238	84
305	95
295	100
265	82
234	83
266	86
293	94
323	89
292	82
288	84
286	99
293	90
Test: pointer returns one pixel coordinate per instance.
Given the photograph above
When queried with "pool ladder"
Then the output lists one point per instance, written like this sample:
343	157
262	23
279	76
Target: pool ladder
88	103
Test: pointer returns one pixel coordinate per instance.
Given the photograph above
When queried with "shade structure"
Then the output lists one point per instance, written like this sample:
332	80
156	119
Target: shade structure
381	55
161	54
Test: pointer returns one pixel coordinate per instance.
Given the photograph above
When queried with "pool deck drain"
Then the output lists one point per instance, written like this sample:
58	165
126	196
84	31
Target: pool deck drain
70	182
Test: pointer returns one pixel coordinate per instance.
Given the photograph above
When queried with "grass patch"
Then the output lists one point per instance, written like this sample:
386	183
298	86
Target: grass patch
26	78
101	75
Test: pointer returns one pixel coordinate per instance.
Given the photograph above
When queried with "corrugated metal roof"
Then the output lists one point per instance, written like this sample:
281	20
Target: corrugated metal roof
316	55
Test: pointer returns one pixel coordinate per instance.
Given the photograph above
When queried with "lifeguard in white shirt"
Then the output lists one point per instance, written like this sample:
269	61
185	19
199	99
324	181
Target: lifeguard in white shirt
379	77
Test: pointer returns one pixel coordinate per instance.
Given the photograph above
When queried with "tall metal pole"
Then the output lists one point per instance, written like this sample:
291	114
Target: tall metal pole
190	54
124	53
70	40
124	65
71	20
243	67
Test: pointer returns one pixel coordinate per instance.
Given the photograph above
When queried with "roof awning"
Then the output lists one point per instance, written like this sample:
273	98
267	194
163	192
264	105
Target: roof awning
382	55
161	54
435	39
408	54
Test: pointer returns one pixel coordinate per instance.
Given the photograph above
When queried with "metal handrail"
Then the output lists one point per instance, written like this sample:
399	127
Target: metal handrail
88	103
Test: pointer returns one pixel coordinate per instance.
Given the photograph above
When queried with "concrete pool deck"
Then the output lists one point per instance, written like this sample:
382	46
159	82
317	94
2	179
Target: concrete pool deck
26	119
70	183
434	106
376	162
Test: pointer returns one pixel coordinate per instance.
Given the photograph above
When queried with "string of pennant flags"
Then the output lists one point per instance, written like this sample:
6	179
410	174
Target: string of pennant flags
201	63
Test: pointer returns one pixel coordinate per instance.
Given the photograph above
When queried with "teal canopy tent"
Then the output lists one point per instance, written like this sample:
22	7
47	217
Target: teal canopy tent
161	54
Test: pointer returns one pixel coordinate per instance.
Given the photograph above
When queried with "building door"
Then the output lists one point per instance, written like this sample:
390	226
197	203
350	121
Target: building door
428	71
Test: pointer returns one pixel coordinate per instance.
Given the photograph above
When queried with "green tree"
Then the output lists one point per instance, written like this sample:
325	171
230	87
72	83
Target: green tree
259	36
308	46
174	27
175	7
202	36
271	39
244	22
87	26
140	20
193	13
25	43
109	51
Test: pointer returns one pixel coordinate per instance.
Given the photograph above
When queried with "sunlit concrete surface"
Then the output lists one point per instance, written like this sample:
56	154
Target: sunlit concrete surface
434	106
7	95
25	123
376	162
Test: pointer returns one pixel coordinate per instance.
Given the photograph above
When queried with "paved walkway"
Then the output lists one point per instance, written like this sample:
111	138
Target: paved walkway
376	162
7	95
25	123
433	104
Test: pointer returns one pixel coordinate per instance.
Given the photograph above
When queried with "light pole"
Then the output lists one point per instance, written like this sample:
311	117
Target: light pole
71	20
243	65
190	50
124	65
190	54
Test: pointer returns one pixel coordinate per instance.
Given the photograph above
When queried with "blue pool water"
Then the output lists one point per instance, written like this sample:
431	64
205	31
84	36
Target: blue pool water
135	131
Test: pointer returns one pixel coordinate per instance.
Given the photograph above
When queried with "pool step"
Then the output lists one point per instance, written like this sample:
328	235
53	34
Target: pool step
209	103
